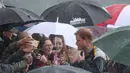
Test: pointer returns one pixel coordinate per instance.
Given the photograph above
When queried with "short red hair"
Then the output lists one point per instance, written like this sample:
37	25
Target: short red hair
85	33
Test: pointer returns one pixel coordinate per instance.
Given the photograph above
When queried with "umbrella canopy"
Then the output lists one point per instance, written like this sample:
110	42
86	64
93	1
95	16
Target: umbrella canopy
48	28
59	69
116	44
6	4
73	12
120	16
35	16
15	16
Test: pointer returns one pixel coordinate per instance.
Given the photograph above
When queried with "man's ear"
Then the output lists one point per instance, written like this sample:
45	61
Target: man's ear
86	41
83	41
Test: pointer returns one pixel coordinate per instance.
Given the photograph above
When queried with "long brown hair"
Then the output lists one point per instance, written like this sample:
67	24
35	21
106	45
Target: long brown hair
52	37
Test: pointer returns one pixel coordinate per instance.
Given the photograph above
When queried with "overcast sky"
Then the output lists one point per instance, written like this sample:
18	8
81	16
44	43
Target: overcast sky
38	6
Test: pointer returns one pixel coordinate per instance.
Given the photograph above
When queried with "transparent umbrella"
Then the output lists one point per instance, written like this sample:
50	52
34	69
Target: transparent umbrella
56	28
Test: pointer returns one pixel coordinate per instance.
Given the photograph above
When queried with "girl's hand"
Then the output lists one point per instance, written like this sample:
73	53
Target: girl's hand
43	59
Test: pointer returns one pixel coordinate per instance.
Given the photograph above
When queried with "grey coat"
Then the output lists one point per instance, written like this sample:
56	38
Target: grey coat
8	68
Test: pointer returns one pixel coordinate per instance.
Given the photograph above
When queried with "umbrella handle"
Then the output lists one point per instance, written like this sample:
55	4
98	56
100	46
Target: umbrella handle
113	63
57	20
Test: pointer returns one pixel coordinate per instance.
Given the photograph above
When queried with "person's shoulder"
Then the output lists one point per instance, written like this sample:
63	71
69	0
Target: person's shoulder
100	53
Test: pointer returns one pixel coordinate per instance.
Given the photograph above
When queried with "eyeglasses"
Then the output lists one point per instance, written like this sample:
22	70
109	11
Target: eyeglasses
47	45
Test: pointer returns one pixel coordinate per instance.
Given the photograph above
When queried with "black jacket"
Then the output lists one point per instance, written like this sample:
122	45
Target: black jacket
15	57
11	49
4	43
92	64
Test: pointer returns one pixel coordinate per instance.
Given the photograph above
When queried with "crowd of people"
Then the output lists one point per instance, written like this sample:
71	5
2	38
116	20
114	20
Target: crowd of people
25	52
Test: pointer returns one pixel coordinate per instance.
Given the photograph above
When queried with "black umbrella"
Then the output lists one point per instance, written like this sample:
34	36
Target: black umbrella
6	4
35	16
16	16
77	12
59	69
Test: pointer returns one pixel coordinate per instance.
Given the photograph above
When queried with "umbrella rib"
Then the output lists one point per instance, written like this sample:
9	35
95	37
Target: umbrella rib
27	14
31	13
16	13
65	7
102	8
51	9
46	12
84	10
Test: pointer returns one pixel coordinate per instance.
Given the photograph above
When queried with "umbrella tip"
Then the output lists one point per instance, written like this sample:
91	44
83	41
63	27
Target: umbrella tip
2	4
57	20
